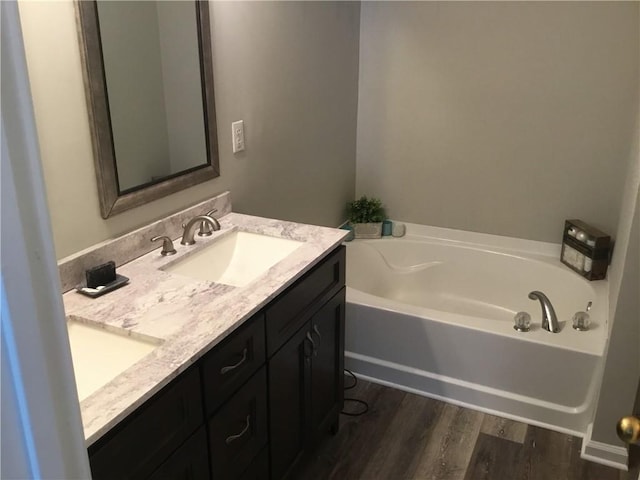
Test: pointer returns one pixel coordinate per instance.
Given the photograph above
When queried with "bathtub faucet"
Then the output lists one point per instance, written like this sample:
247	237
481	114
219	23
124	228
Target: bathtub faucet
549	317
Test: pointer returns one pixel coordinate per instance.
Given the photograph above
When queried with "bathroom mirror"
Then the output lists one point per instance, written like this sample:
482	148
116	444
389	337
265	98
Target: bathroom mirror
149	87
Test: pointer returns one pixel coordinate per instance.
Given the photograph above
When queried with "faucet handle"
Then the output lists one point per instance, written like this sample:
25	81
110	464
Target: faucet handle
167	245
523	322
205	228
582	320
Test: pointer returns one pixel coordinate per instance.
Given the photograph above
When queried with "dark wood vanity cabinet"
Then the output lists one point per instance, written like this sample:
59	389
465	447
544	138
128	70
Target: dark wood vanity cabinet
306	386
238	431
294	307
327	367
148	437
189	462
305	343
254	405
229	365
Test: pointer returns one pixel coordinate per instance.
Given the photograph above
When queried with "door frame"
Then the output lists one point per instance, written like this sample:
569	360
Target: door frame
42	434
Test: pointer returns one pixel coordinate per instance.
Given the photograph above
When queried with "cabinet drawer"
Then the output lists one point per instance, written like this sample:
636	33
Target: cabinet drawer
144	440
238	431
296	305
189	462
233	362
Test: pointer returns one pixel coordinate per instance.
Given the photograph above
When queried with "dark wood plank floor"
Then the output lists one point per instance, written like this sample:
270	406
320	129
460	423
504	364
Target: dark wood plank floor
406	436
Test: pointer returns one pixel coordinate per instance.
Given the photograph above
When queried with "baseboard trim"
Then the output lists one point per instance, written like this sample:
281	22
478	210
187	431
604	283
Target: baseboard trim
603	453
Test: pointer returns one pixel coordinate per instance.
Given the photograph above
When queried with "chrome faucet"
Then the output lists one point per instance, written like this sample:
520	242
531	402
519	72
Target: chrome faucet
549	317
190	228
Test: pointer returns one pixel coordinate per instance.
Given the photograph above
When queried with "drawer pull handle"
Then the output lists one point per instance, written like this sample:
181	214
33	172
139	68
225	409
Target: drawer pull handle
232	438
224	370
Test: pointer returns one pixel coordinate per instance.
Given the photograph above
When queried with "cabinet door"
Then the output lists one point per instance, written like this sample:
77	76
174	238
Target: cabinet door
189	462
149	435
289	395
259	468
327	379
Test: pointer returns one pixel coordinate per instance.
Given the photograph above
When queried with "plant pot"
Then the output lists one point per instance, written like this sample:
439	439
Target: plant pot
367	230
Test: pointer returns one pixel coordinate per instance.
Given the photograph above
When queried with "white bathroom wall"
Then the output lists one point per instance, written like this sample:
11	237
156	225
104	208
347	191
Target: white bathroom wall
288	69
497	117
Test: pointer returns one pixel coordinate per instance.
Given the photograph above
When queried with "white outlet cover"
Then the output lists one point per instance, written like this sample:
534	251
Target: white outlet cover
237	136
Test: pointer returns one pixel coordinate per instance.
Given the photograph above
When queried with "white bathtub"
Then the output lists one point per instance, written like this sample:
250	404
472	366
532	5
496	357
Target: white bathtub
432	313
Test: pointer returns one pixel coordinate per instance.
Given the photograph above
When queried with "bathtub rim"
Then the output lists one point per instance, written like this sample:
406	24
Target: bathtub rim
478	239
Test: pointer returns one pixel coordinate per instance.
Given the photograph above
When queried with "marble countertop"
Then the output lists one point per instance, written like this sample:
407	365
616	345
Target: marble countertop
189	316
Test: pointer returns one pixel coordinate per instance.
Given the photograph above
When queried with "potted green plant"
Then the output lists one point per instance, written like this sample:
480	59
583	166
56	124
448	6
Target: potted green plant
366	216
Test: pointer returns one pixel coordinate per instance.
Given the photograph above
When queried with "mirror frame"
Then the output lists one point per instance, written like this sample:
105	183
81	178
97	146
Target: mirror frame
112	201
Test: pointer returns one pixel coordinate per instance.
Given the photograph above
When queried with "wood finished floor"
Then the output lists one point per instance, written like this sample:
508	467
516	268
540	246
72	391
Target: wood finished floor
406	436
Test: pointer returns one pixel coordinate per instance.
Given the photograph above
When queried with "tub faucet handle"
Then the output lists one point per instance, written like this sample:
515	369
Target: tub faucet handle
523	322
581	320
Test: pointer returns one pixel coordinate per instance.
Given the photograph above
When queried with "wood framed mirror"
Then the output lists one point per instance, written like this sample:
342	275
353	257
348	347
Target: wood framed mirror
149	85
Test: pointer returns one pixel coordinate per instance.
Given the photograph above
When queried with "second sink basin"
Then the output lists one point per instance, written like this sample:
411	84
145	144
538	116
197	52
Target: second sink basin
235	259
100	355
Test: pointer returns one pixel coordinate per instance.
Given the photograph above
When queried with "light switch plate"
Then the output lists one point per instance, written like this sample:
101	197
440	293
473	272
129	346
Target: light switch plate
237	134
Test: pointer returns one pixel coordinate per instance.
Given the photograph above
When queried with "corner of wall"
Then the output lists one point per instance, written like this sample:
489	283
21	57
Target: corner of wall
622	355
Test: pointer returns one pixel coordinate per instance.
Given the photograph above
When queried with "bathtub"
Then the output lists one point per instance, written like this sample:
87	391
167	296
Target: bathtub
432	313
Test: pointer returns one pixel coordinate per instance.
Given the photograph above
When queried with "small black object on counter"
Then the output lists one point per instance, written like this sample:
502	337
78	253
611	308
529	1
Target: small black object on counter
102	289
101	275
101	279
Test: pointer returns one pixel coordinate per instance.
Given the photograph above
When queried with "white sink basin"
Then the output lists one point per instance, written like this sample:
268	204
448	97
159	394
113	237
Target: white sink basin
235	259
100	355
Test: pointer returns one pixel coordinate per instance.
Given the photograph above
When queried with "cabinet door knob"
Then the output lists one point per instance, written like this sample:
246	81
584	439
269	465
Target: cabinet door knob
227	369
233	438
317	332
